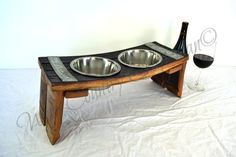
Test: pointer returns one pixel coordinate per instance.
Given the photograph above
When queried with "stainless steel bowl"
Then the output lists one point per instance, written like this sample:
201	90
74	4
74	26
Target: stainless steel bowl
140	58
95	66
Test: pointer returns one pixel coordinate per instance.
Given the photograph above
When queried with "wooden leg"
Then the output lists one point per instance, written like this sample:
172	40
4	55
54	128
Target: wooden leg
160	79
54	111
172	79
43	99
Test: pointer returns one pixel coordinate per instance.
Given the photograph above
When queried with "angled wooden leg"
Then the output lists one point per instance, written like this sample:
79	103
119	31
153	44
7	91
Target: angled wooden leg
175	80
43	99
172	79
160	79
54	111
181	80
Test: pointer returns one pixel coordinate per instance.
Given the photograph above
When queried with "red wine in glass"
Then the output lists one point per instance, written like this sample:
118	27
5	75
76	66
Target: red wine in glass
202	60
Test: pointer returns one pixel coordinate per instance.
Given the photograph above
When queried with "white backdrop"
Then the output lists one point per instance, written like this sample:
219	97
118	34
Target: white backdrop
29	29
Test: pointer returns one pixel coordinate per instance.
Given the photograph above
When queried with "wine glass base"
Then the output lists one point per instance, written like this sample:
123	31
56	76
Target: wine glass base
196	87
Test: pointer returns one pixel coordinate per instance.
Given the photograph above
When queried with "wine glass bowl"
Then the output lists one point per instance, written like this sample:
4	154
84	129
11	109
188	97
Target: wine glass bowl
202	60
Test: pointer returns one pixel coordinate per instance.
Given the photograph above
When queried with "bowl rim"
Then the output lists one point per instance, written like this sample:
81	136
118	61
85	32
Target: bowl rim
92	74
133	66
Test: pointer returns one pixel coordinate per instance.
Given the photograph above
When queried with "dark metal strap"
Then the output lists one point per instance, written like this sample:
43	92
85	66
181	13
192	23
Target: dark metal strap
164	51
61	70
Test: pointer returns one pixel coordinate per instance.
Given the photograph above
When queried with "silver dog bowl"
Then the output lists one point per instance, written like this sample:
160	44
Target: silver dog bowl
95	66
139	58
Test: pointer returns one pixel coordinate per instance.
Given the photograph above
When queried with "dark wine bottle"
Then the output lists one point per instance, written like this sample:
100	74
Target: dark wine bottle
180	46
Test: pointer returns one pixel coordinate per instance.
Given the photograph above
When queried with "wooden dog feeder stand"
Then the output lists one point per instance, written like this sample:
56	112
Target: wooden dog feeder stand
168	74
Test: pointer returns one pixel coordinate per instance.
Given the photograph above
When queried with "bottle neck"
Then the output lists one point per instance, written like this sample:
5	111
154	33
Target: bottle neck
183	32
181	43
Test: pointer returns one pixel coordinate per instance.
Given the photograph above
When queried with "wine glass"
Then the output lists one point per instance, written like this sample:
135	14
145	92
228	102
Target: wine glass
202	59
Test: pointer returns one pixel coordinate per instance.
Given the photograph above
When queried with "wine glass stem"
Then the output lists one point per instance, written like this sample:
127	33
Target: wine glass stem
198	78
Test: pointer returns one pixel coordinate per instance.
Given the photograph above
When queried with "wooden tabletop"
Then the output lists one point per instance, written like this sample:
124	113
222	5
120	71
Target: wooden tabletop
126	74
